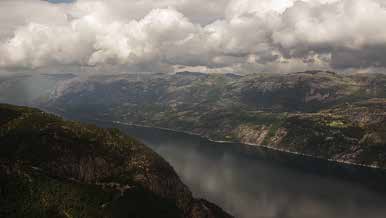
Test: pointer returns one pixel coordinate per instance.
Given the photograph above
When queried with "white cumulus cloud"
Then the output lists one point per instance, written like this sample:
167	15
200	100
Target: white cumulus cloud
242	36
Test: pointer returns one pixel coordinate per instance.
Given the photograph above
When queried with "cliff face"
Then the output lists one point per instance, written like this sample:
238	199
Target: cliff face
55	168
353	133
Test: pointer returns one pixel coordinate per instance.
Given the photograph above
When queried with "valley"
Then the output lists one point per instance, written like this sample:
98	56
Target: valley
284	112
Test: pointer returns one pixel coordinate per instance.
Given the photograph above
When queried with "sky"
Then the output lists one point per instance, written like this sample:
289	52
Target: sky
231	36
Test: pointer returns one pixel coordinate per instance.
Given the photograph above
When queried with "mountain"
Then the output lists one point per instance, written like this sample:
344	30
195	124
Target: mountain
55	168
333	116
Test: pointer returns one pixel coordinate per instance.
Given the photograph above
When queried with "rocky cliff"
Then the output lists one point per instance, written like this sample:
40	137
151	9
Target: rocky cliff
55	168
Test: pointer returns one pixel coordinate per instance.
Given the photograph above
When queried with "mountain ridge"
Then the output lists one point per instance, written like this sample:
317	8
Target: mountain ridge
253	109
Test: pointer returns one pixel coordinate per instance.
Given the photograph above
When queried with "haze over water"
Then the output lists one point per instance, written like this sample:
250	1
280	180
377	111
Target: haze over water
252	188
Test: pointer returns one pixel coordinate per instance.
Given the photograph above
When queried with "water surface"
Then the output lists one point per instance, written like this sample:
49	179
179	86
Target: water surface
252	186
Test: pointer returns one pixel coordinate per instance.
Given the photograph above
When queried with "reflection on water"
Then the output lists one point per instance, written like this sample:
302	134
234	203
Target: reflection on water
251	188
254	186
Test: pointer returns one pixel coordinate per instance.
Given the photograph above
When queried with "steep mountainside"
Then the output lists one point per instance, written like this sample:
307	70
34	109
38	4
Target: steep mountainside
55	168
324	114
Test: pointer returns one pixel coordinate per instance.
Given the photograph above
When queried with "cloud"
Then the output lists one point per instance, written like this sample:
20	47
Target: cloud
346	29
222	35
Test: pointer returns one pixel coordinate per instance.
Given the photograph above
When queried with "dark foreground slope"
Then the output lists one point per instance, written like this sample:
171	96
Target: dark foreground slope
55	168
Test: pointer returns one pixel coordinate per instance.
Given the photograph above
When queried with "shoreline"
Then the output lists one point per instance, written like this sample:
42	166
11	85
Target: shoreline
346	163
249	144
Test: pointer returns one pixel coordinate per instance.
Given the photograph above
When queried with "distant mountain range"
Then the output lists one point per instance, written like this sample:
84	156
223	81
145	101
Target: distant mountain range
55	168
333	116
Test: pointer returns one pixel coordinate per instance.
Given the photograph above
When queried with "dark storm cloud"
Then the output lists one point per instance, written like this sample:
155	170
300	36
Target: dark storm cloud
374	56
